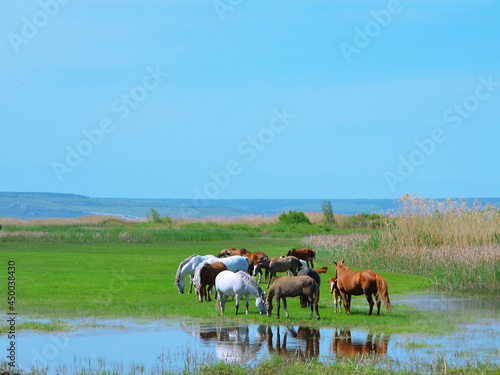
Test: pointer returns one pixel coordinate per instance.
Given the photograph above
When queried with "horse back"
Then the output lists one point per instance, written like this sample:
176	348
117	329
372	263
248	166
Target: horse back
357	283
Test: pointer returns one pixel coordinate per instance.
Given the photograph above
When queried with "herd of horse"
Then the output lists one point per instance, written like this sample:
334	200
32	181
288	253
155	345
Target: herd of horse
237	273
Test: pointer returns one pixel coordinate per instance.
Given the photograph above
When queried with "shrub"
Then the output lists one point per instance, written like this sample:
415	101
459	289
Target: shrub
156	218
294	217
326	207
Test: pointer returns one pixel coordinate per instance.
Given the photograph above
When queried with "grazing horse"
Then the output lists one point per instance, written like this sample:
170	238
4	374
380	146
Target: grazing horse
336	294
231	252
262	265
253	259
321	270
234	263
288	263
293	287
365	282
303	264
207	274
187	267
305	253
311	273
238	284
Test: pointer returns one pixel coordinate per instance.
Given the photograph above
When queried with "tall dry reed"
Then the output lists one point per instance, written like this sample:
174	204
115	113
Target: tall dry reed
424	221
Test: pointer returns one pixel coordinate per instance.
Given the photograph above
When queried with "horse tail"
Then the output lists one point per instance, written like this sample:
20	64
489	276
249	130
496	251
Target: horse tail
382	292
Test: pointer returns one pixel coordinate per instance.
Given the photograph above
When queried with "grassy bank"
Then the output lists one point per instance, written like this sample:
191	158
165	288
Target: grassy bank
285	365
137	280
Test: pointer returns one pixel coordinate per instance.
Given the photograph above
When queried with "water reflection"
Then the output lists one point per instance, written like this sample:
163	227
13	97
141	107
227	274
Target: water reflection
344	343
245	343
305	343
231	343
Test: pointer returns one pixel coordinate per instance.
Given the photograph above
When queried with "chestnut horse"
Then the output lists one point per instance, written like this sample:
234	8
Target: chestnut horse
336	294
253	259
306	253
321	270
208	273
231	252
365	282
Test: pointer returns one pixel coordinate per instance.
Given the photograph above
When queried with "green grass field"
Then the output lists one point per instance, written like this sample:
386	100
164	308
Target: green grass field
137	280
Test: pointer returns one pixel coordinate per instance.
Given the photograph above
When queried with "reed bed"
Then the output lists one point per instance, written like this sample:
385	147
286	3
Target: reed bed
427	222
83	220
252	220
454	243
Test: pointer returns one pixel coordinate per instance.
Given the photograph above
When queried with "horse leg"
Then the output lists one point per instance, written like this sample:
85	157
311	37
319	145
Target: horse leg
248	296
270	278
190	284
284	306
379	302
200	294
347	306
278	305
370	301
311	302
222	299
209	292
237	297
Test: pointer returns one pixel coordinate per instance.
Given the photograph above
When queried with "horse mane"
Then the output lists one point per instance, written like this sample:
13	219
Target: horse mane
183	263
251	281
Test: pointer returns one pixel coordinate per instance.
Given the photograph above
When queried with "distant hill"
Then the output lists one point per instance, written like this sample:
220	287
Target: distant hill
52	205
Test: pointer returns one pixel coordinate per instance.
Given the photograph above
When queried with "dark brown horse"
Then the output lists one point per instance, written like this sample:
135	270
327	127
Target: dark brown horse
306	253
365	282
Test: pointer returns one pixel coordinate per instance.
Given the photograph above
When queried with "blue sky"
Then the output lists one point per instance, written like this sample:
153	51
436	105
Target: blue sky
240	99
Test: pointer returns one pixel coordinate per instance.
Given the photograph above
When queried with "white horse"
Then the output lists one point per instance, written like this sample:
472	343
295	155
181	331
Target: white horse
238	284
234	263
187	267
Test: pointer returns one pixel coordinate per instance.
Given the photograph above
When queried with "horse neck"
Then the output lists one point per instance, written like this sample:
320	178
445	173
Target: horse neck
344	269
254	289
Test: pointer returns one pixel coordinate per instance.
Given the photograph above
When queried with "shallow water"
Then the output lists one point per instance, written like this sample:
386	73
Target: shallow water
130	345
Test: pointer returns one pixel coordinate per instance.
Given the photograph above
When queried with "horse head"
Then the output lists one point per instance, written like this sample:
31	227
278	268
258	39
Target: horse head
261	303
339	267
180	285
333	284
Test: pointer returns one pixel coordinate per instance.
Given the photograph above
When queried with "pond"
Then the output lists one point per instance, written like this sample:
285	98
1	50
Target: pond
150	346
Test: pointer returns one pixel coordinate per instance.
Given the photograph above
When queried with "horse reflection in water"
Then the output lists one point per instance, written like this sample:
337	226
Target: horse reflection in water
344	344
305	343
234	344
